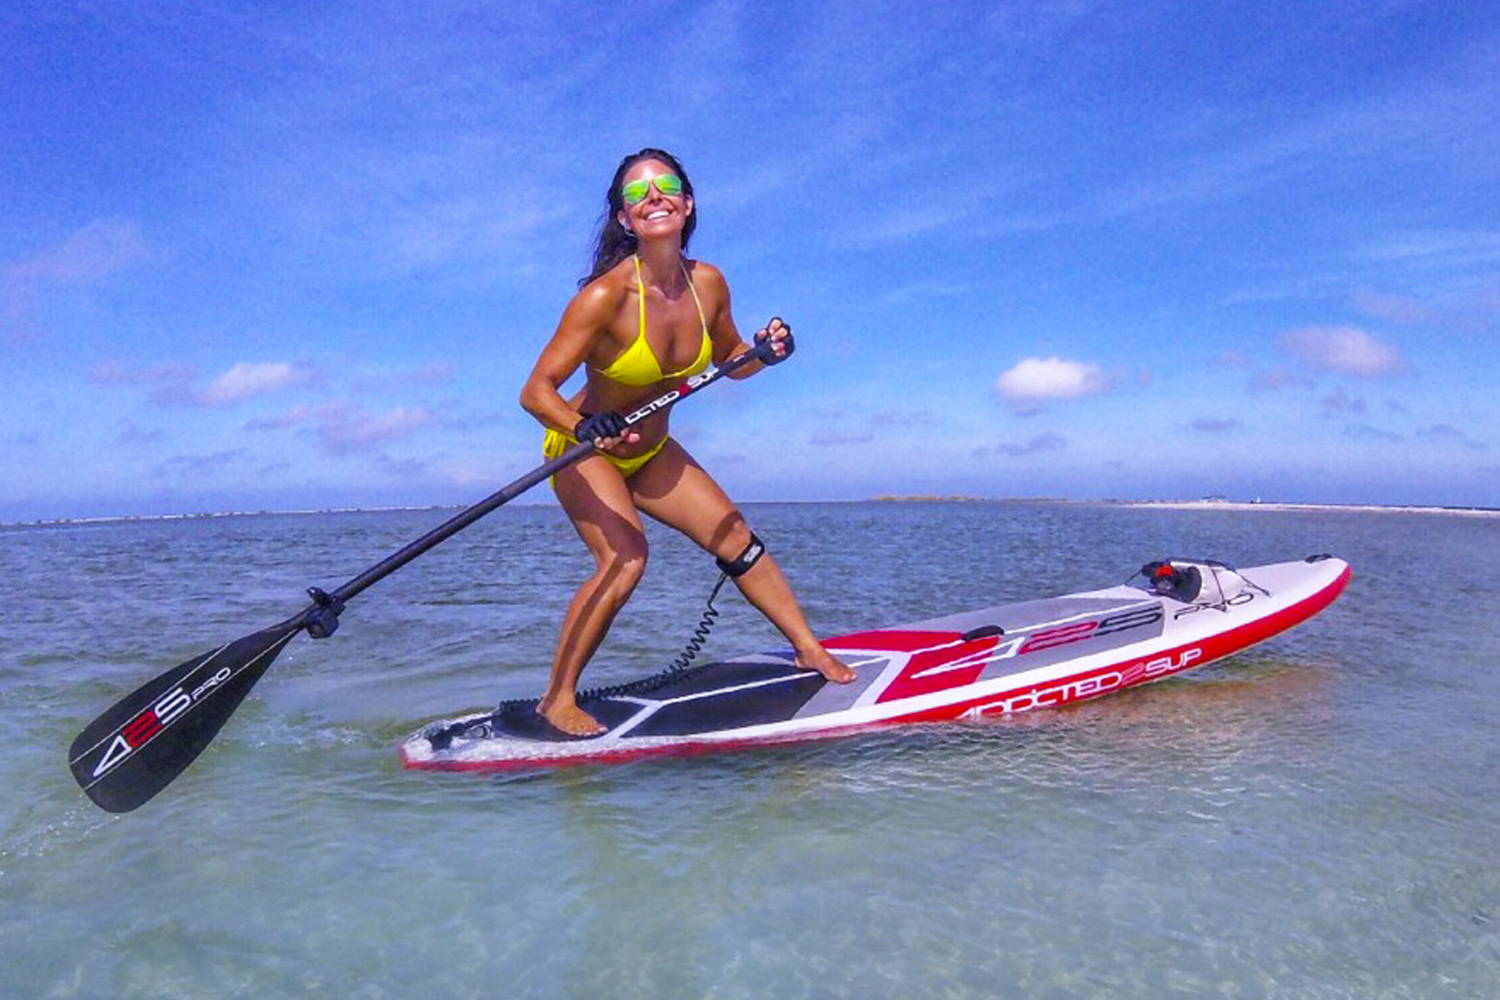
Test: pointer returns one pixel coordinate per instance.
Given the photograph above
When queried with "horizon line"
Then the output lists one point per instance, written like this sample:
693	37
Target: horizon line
1168	504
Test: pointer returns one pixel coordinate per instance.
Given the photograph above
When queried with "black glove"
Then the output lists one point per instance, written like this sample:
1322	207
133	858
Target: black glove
608	424
763	344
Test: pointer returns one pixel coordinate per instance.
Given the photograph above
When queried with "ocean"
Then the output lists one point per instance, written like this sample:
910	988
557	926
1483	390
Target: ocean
1316	817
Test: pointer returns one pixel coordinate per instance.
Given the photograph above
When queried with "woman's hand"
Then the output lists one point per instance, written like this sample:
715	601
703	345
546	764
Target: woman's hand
606	430
773	342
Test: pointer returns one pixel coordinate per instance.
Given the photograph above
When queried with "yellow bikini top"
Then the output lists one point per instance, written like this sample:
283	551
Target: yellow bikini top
637	365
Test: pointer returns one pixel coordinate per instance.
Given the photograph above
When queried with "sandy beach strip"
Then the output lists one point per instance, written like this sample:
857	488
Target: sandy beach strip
1350	508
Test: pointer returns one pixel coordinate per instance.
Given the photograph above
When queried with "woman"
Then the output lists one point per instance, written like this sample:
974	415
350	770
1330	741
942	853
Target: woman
643	319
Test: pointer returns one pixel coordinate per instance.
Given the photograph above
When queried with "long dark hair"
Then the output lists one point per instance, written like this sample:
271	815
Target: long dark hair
615	242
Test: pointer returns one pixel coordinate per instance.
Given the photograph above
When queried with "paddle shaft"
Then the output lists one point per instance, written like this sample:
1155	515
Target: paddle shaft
507	493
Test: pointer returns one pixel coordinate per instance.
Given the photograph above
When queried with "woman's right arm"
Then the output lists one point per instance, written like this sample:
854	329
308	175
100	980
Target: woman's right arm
585	319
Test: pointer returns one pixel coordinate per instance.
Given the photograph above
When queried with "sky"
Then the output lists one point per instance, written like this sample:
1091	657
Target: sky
302	255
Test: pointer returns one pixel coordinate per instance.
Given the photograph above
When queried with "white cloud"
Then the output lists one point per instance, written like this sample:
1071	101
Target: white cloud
93	253
96	251
345	428
1034	381
1401	309
248	379
1447	248
1470	309
432	373
1345	349
368	431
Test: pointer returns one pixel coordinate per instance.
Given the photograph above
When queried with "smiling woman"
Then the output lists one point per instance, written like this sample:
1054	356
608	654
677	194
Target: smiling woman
643	317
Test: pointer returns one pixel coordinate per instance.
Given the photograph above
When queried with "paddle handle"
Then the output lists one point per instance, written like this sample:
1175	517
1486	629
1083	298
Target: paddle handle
336	600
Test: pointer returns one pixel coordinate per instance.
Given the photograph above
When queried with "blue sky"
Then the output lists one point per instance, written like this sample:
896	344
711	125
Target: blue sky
302	255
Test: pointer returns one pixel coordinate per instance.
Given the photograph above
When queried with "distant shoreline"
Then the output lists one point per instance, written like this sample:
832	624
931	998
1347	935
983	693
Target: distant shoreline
1226	505
1285	506
211	515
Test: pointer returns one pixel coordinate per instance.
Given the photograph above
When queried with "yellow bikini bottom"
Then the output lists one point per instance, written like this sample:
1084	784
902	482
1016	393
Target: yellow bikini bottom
556	442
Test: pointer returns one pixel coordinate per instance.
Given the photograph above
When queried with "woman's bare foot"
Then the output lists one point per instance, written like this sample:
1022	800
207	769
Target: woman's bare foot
817	658
569	718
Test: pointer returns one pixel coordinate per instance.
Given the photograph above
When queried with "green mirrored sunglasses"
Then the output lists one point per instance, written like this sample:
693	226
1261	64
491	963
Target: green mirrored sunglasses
634	192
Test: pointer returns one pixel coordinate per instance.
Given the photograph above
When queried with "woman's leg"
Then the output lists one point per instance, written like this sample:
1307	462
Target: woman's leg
675	490
596	499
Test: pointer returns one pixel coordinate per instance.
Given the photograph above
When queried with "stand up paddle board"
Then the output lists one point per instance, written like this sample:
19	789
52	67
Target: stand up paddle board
1173	615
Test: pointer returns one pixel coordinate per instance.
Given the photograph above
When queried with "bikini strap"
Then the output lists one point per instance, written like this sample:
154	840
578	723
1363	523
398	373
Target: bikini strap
640	293
696	301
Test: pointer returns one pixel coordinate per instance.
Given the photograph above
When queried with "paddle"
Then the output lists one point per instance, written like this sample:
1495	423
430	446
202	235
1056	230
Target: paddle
149	737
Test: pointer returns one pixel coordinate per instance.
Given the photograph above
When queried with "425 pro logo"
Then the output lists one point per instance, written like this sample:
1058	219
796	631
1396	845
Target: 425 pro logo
163	712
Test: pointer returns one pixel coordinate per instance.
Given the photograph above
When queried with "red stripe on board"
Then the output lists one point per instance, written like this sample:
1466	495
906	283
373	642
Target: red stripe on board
1057	637
890	640
907	685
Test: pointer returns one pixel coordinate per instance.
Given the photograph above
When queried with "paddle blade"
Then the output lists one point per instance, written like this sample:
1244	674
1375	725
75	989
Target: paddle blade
150	736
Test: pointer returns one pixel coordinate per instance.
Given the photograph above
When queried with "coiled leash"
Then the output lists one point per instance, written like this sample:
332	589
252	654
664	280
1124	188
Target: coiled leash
731	569
680	667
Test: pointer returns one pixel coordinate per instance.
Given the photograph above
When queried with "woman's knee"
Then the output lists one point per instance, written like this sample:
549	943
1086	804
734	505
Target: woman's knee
624	563
731	537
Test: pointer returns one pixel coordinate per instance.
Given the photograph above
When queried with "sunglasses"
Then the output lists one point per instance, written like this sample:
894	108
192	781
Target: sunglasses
635	192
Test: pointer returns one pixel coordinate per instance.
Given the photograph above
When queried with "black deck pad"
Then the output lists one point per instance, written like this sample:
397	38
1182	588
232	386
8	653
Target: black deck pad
699	680
779	691
708	698
520	719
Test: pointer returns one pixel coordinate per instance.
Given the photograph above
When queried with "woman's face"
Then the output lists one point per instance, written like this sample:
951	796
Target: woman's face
656	215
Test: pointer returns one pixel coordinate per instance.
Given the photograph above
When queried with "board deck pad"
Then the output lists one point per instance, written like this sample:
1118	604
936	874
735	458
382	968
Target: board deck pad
990	662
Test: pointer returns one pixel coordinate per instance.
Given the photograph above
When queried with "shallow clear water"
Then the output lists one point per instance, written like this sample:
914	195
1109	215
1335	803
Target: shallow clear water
1317	817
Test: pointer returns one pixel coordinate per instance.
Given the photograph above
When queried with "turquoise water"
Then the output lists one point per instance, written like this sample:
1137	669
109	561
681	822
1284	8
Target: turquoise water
1317	817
